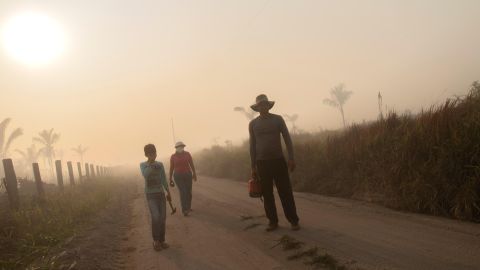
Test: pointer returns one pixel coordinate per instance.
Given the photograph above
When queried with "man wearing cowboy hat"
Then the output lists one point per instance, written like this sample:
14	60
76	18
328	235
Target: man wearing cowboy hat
268	162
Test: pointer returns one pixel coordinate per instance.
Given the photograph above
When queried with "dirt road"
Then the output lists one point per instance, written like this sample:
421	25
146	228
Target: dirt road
223	232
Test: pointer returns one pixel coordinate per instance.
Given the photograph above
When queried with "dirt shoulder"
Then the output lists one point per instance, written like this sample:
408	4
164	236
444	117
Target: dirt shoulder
100	244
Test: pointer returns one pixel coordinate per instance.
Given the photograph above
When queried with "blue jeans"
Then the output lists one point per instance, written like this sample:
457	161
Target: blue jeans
184	184
158	211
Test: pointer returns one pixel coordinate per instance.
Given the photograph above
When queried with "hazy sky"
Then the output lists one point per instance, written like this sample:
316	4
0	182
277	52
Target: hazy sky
131	66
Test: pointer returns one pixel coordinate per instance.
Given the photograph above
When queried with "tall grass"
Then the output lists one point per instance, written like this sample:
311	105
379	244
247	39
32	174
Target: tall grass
29	233
427	163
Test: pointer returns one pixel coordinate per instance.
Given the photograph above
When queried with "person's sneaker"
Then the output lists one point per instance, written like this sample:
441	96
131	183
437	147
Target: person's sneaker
295	227
185	213
271	227
157	245
164	245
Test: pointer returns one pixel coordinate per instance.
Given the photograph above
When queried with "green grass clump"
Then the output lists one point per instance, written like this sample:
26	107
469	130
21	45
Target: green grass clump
427	163
304	253
251	226
289	243
326	261
30	232
244	217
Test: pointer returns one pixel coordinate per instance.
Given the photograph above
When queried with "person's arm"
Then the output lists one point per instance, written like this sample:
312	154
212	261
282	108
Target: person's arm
253	150
288	143
143	169
192	166
163	180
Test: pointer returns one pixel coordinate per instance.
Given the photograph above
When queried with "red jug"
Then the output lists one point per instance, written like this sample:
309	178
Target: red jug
254	188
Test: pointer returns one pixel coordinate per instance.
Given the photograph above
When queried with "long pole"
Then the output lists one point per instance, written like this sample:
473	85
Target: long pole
173	133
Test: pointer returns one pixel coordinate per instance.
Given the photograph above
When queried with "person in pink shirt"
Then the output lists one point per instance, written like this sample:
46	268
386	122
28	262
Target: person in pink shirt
183	171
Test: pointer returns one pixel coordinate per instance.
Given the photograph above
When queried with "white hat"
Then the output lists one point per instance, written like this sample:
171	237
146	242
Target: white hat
179	144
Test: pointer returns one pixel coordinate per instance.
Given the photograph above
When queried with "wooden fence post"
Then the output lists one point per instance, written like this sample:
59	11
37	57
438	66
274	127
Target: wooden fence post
38	180
79	167
11	183
92	170
70	173
87	170
58	166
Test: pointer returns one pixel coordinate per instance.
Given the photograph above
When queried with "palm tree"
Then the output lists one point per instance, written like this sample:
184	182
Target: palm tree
47	138
5	144
249	114
29	156
292	119
80	150
339	97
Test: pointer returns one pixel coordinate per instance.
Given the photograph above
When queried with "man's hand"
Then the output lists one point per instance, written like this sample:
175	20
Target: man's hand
292	165
168	197
172	184
254	173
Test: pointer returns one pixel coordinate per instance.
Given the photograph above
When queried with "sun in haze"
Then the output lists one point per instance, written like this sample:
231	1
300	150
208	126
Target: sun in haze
33	38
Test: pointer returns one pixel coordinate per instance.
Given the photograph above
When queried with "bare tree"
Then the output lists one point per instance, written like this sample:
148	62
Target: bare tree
48	139
248	114
380	106
292	119
339	96
4	142
228	144
80	151
215	140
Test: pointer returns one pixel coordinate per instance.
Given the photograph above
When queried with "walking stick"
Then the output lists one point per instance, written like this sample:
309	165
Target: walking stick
174	209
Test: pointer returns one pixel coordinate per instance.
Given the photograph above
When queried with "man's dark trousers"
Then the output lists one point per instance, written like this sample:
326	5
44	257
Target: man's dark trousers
276	170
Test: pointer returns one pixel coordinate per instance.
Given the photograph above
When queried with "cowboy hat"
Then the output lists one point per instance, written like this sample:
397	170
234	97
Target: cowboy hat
262	99
179	144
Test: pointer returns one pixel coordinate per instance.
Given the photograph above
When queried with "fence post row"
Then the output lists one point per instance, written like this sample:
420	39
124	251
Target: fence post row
79	167
70	173
11	183
87	170
38	180
92	170
58	166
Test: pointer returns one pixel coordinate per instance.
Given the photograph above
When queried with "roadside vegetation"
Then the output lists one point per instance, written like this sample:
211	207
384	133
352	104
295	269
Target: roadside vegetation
426	163
40	224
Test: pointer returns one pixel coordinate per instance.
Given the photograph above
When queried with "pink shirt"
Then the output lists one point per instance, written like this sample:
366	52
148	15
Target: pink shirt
180	162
